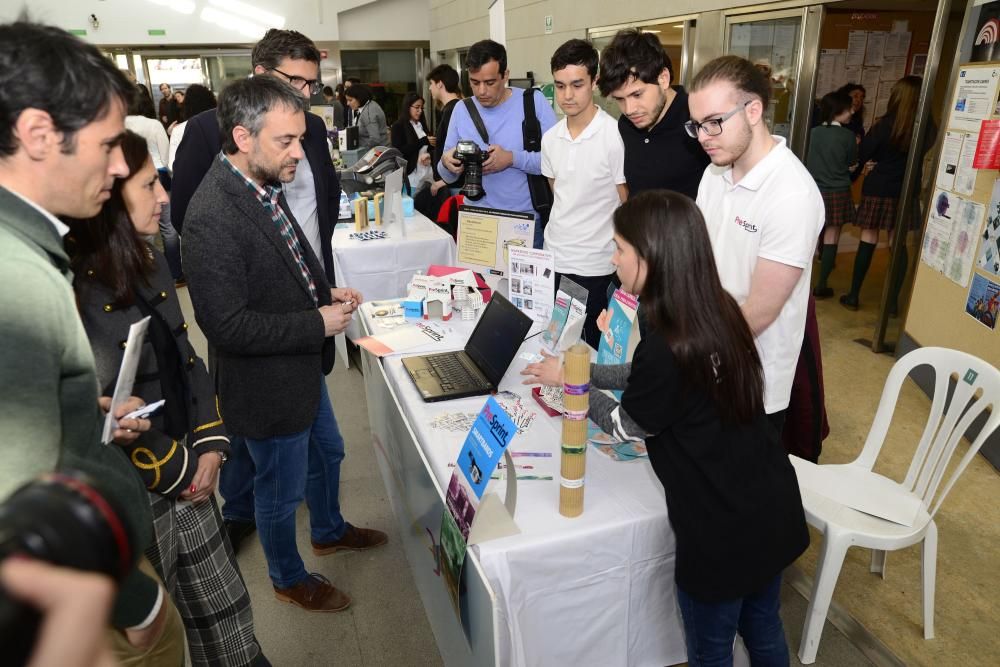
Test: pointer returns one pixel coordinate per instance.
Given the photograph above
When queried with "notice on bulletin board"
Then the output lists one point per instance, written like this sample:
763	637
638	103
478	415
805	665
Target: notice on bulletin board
485	234
975	98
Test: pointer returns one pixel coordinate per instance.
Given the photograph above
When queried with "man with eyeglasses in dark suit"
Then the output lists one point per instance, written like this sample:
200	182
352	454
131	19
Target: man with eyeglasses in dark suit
313	197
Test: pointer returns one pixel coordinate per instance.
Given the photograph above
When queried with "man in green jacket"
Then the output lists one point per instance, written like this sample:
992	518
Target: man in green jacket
62	105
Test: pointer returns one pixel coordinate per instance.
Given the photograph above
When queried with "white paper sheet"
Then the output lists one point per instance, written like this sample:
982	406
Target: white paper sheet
126	376
875	51
965	177
975	99
857	42
948	164
532	281
964	237
859	489
937	234
739	42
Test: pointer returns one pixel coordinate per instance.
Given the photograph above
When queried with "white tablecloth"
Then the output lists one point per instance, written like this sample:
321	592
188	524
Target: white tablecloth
594	590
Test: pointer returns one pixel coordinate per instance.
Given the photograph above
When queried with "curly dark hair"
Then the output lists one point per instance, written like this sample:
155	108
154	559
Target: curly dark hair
632	54
198	98
276	45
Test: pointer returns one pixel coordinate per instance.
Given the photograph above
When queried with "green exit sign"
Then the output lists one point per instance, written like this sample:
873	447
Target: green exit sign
78	32
158	32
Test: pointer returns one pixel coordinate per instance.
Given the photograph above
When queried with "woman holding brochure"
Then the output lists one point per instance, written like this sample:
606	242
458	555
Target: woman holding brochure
694	392
120	279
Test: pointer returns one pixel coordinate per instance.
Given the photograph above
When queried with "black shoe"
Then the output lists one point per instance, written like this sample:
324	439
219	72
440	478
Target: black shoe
822	292
237	531
849	302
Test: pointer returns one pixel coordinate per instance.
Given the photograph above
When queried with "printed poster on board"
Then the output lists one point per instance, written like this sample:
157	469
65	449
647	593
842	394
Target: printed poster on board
983	303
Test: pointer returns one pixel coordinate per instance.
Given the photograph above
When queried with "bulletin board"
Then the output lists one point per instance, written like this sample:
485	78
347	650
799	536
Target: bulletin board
956	292
873	48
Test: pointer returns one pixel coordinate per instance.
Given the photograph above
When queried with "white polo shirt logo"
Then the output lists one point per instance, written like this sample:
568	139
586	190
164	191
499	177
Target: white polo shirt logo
747	226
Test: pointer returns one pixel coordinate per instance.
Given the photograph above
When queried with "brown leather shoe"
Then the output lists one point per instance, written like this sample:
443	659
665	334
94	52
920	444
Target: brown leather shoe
315	593
354	539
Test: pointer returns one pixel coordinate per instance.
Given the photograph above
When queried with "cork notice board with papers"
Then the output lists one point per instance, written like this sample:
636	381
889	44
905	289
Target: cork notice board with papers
956	292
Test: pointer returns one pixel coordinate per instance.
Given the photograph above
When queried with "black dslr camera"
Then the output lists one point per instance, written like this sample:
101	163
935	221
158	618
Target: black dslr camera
60	518
469	154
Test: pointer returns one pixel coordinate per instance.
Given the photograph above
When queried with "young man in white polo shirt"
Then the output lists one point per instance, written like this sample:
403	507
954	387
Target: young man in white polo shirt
584	160
764	214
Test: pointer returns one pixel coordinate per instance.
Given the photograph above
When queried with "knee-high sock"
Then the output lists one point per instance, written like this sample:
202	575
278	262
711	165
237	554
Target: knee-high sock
861	265
828	258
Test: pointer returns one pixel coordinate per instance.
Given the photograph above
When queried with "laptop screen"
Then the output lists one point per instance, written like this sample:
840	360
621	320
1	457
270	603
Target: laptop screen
497	336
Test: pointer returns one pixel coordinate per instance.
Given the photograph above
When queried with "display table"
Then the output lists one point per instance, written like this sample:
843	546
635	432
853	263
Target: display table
380	269
594	590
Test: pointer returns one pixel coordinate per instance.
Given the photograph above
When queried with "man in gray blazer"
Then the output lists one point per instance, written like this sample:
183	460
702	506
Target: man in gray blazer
263	301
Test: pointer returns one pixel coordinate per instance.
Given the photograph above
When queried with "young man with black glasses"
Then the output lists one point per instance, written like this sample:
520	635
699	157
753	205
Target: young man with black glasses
637	74
764	215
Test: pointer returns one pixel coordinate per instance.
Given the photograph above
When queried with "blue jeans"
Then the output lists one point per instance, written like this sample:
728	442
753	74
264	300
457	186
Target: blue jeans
236	482
171	244
710	628
290	468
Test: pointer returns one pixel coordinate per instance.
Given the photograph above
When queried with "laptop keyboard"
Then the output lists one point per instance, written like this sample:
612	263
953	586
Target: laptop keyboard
453	375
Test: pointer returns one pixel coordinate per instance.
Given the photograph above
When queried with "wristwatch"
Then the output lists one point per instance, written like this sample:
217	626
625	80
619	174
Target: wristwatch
222	456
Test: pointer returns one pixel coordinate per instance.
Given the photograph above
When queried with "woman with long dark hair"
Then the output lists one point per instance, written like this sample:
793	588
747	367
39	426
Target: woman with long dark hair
694	392
409	133
887	145
120	279
368	116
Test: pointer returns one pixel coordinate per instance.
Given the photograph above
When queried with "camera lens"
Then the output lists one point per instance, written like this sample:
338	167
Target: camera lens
61	519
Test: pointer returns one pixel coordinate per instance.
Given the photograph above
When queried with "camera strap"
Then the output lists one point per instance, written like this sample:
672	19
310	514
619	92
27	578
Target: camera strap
477	120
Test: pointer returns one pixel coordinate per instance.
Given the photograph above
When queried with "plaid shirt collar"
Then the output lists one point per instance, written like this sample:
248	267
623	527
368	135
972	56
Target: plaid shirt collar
266	195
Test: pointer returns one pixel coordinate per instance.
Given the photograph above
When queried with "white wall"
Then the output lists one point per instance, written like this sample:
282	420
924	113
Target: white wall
126	22
387	20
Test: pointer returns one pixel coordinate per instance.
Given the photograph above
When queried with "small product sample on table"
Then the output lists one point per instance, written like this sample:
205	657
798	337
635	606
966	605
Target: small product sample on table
576	398
379	200
360	213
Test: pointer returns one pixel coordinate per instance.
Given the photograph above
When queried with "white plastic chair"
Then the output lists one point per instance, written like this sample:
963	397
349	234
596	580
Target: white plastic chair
844	527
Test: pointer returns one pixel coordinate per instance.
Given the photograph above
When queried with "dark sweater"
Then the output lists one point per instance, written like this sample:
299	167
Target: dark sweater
664	156
886	179
832	151
732	494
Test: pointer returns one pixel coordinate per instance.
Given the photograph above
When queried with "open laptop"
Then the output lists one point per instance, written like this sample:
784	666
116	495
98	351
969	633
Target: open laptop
476	370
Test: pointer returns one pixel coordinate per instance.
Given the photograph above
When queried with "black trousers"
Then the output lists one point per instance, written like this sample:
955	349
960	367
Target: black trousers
597	300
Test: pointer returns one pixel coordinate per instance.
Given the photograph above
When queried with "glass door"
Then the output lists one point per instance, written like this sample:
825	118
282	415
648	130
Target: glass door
772	42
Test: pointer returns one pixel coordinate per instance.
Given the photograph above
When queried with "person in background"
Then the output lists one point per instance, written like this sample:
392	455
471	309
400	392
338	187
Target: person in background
443	84
261	296
178	110
583	157
887	145
857	122
764	215
166	113
694	392
349	115
120	278
313	197
833	155
338	108
506	164
637	74
368	116
198	99
410	135
64	103
142	121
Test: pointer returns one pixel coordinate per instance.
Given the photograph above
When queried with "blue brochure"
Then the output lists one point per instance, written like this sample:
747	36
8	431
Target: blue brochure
485	445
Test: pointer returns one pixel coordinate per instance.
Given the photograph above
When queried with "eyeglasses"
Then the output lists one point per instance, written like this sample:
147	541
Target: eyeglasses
418	107
313	85
713	126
